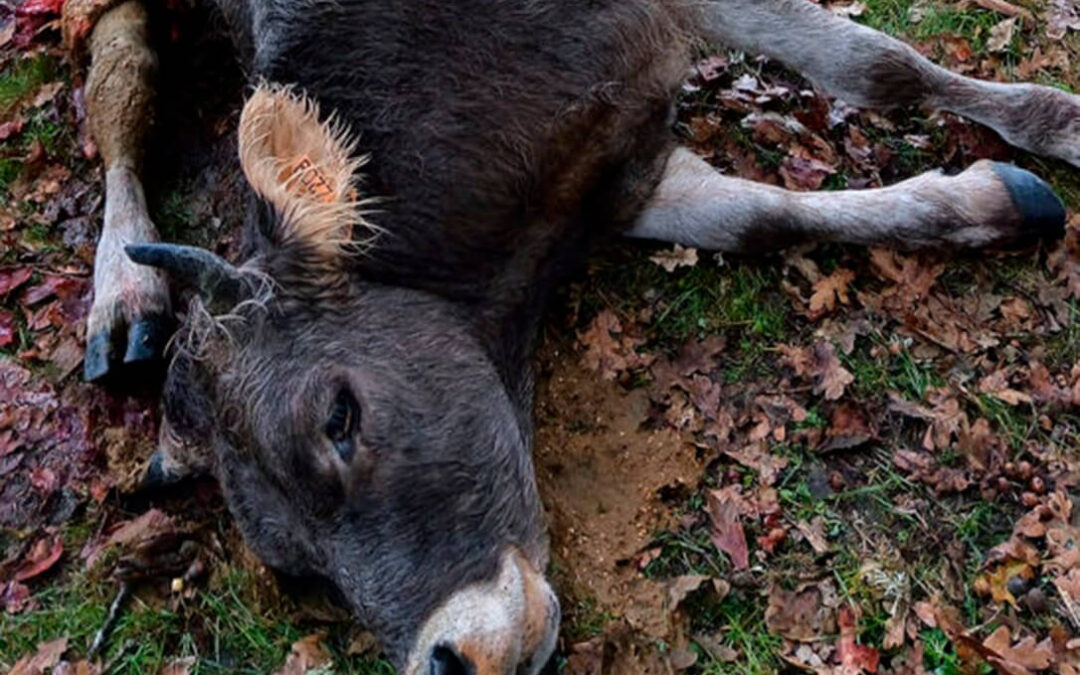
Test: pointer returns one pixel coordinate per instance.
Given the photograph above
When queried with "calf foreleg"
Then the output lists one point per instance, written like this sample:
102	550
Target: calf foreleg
129	317
869	69
990	203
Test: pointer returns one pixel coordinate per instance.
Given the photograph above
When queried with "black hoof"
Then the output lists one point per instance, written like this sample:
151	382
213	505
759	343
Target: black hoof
1043	212
97	358
146	339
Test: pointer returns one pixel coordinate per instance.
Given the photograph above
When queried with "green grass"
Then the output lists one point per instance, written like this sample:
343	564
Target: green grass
585	620
739	623
880	371
895	18
741	300
46	132
9	171
174	216
23	78
226	627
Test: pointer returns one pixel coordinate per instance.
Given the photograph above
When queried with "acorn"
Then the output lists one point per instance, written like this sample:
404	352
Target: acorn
1017	586
1038	485
1036	601
1025	469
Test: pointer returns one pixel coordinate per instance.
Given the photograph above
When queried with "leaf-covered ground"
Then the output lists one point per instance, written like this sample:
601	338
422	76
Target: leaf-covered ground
834	459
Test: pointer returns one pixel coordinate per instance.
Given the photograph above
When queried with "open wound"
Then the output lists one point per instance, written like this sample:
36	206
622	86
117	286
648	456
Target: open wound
306	179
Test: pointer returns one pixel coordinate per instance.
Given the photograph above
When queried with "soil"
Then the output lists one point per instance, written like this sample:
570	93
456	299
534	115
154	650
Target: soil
602	476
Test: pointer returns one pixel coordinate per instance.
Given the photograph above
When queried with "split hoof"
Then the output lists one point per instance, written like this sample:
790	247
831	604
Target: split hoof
114	350
1041	211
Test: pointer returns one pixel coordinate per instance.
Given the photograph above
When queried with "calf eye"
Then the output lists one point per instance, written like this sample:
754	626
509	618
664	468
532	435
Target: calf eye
342	425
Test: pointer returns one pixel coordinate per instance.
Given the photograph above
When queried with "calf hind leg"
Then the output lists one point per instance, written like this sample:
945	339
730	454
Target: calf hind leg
129	318
990	203
869	69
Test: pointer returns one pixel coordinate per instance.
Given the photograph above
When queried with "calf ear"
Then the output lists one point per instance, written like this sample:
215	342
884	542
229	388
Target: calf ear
305	168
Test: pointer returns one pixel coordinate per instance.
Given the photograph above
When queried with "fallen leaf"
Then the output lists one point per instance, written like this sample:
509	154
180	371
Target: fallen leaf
799	615
1001	35
179	666
39	7
997	580
129	534
608	350
676	258
14	597
47	656
852	655
1063	16
848	429
307	654
681	587
727	532
13	278
7	328
42	556
1021	658
830	290
814	533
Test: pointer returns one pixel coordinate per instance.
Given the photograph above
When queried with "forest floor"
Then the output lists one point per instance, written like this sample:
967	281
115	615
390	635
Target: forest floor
835	459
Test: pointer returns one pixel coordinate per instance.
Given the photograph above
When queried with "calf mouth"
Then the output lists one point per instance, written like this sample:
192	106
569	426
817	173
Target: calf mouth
506	626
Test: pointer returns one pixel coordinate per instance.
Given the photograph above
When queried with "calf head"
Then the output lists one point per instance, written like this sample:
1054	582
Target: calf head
359	432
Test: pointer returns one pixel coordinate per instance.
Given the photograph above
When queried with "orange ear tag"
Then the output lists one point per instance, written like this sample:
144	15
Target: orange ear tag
307	180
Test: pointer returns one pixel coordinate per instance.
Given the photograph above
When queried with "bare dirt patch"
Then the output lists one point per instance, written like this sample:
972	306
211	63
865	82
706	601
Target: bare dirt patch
601	476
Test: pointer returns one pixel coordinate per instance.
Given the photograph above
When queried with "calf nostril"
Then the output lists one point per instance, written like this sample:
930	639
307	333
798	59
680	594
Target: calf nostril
445	661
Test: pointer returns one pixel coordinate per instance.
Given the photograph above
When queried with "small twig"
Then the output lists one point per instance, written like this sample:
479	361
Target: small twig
1070	607
1006	8
102	636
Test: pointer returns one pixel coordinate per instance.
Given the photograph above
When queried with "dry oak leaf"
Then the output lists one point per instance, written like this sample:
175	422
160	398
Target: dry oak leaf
607	354
680	587
1001	35
756	456
1022	658
1063	16
848	428
997	580
853	656
800	615
179	666
820	362
830	290
130	534
47	656
674	259
913	280
307	654
997	385
726	529
42	556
